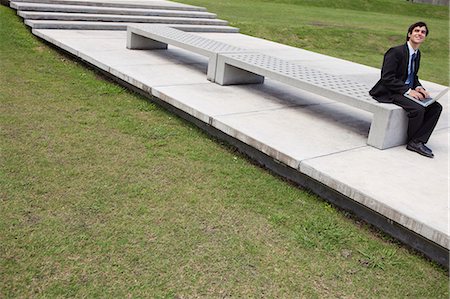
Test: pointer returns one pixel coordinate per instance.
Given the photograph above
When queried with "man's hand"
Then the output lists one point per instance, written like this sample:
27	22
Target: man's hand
416	94
423	91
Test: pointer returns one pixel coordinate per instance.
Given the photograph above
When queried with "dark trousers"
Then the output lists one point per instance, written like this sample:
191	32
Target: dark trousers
422	120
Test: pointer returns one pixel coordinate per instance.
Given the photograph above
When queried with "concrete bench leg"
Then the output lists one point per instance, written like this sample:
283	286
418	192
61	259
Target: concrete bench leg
135	41
228	75
388	128
212	66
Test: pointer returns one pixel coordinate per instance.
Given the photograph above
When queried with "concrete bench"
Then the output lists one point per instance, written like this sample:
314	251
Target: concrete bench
159	36
389	123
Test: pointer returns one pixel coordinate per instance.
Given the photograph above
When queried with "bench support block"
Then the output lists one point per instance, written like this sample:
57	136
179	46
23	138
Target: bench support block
388	128
228	75
211	72
139	42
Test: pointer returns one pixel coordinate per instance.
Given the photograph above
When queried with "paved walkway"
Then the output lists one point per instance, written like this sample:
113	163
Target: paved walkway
316	136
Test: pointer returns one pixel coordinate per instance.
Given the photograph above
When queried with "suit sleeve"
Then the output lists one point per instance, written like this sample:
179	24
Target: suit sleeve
392	62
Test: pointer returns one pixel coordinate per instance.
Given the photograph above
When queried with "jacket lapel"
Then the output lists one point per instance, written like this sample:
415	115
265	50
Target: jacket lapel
416	62
405	62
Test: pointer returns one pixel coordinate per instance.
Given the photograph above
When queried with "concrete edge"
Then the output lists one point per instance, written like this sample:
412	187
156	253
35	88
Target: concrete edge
117	18
117	4
50	7
121	26
54	42
428	248
420	228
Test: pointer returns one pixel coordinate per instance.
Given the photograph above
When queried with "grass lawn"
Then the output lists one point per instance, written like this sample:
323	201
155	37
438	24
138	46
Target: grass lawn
104	194
355	30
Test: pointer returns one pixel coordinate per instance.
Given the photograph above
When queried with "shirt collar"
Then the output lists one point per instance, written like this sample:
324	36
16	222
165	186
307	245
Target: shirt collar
411	49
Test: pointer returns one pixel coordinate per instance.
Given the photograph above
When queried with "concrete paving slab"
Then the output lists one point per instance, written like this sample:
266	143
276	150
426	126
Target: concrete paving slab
291	135
113	52
148	76
55	40
164	68
161	4
82	34
83	44
405	187
109	10
138	57
38	15
211	100
92	25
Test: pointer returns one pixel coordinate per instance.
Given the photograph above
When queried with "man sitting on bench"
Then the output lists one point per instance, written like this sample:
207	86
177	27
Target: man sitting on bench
399	77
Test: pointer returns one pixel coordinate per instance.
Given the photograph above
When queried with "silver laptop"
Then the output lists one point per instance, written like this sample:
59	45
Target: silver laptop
428	101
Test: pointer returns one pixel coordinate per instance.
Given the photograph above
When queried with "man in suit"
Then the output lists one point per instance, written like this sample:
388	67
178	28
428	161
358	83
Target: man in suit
399	77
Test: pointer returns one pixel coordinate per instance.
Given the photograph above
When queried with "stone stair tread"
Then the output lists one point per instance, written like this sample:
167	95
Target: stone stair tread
83	25
123	4
116	18
29	6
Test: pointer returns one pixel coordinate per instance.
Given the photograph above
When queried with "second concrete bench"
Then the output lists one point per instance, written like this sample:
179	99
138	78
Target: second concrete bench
159	36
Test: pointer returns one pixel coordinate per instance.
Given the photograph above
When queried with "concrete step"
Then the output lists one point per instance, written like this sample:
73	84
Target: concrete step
167	5
117	18
26	6
80	25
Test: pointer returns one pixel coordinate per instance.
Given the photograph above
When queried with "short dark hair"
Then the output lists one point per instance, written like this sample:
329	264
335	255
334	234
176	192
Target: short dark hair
418	24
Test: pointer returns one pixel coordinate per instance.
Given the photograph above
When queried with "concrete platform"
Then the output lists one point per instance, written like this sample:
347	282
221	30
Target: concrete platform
43	7
313	140
37	15
116	15
120	26
148	4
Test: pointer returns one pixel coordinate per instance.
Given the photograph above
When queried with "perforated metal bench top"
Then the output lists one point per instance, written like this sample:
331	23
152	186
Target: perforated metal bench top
188	39
308	75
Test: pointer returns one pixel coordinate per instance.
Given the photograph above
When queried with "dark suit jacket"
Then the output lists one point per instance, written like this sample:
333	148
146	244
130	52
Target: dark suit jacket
394	74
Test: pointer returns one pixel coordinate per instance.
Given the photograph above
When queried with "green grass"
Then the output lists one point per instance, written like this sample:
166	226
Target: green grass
104	194
359	31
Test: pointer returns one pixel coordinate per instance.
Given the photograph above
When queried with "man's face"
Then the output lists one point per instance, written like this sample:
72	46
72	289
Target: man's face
418	34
